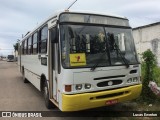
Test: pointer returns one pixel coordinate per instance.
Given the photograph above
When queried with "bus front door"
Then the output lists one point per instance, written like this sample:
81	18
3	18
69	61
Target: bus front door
53	66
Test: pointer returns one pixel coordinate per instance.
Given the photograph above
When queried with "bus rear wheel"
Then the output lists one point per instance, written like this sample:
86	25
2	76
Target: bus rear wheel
24	78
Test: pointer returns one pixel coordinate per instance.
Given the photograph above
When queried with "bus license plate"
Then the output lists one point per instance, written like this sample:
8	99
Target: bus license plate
111	102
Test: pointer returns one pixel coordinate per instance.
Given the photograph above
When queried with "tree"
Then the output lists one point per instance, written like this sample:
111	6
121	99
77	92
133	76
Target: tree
149	64
15	48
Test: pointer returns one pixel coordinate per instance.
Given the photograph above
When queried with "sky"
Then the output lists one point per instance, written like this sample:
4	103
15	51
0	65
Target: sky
17	17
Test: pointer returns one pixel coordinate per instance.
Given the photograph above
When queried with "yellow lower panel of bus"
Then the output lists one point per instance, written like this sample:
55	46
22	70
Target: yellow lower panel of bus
98	99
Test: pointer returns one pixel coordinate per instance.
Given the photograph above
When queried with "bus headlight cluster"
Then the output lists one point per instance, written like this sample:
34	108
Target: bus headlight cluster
83	86
87	86
132	80
78	87
135	79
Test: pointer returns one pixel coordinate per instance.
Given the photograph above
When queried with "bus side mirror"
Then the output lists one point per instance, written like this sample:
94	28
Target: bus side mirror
54	34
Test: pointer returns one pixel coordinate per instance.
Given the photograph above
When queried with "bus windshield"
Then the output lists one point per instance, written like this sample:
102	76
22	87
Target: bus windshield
98	46
10	56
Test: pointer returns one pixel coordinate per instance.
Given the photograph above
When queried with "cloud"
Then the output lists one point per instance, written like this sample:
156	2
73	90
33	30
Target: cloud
5	49
20	16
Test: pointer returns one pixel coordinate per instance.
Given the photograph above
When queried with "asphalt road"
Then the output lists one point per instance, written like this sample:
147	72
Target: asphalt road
18	96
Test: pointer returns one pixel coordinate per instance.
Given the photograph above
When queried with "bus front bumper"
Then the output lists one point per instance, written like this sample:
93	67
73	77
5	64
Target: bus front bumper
97	99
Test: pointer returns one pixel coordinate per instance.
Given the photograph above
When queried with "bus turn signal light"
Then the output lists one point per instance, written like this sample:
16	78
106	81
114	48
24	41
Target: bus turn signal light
68	88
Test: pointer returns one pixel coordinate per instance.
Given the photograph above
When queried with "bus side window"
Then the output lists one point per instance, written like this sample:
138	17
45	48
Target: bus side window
25	47
22	48
29	45
43	40
35	48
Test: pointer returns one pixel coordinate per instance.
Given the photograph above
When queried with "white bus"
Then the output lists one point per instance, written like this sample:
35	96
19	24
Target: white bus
81	60
10	58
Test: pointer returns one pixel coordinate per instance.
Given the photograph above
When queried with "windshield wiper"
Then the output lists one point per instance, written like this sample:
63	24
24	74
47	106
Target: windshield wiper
98	61
122	56
120	53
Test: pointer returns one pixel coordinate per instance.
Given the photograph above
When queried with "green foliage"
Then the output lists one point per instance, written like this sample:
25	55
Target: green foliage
15	47
156	75
148	74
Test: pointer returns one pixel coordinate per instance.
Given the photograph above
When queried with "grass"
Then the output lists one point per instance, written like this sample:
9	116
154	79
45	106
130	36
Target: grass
133	106
140	105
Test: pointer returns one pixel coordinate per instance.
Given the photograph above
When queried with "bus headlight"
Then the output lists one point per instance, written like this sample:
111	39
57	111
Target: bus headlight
129	80
78	87
87	86
68	88
135	79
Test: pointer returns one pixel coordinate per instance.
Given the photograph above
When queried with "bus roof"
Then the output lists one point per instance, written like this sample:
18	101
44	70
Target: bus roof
88	12
57	13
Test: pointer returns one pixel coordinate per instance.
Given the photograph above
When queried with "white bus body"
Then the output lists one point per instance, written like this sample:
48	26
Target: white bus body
81	60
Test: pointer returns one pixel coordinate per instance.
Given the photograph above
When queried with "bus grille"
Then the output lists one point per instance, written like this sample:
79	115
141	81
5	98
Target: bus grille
109	83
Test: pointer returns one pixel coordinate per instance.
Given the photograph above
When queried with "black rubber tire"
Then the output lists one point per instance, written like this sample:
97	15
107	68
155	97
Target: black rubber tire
24	78
48	103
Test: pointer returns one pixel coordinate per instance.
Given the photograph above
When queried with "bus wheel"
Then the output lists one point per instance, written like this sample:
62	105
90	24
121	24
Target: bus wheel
24	78
48	103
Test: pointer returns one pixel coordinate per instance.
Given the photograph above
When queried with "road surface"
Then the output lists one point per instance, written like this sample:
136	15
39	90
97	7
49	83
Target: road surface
18	96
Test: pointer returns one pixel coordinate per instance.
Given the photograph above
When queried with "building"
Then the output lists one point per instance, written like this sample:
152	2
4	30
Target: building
148	37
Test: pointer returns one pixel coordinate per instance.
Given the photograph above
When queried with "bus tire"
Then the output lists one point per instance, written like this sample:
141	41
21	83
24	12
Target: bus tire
48	103
24	78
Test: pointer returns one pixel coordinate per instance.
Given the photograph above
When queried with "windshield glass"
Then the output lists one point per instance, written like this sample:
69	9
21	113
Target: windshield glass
84	46
10	57
120	40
